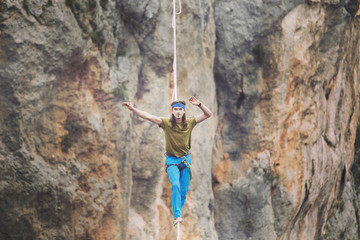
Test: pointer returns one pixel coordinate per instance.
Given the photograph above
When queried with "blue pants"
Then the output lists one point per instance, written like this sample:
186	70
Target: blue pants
180	182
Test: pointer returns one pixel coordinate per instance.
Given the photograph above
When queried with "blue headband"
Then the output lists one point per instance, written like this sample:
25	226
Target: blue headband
178	105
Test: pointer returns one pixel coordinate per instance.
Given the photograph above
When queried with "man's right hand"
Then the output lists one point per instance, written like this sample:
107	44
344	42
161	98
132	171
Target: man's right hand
143	114
128	105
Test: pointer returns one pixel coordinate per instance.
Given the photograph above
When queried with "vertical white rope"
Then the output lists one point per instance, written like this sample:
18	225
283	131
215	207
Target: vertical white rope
174	95
178	231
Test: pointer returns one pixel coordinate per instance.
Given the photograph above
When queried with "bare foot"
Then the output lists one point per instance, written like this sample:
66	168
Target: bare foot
177	220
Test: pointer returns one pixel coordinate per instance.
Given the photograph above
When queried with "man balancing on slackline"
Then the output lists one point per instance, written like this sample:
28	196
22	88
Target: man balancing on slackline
177	130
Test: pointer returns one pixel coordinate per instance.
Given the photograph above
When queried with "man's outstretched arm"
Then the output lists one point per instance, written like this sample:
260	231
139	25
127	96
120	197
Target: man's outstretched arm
206	112
143	114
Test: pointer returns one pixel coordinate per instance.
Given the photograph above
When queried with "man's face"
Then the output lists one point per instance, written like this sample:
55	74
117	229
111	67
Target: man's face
178	112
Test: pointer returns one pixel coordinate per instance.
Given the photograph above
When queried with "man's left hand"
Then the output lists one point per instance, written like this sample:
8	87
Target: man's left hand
194	101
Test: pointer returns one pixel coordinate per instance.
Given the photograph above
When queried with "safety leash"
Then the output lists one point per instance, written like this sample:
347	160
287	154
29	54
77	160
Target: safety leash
188	165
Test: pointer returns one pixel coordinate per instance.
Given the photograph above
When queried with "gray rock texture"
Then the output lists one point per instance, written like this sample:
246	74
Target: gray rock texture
281	77
245	204
344	223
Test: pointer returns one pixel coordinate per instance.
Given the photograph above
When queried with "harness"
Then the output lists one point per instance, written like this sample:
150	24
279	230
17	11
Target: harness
183	161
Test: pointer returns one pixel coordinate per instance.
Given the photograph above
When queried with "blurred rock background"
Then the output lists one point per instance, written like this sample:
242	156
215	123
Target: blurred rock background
278	160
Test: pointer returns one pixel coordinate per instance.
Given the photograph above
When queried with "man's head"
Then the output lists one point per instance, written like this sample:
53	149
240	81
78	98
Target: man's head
178	112
178	109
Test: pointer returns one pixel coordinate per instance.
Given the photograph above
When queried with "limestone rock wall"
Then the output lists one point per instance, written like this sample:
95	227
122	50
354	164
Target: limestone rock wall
281	78
289	86
74	163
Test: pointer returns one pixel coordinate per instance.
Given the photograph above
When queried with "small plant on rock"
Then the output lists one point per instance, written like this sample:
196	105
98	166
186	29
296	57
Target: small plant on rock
121	92
73	128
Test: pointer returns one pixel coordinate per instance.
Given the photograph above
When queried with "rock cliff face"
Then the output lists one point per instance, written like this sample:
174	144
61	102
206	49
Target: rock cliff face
282	78
289	88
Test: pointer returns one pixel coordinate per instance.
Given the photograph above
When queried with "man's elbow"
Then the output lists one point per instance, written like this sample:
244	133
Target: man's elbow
208	114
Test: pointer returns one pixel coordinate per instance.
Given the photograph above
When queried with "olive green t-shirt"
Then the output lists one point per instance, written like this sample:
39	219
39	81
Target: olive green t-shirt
177	142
